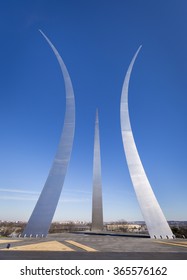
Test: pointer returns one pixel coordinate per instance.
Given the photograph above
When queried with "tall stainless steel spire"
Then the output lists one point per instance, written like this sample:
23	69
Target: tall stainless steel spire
152	213
40	220
97	207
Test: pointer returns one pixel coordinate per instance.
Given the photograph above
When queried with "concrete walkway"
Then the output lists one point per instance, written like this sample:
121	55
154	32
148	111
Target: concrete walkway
85	246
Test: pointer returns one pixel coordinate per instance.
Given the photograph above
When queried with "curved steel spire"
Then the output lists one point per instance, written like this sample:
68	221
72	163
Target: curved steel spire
42	215
154	218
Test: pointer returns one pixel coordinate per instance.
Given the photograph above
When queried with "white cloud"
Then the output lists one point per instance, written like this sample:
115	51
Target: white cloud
9	197
26	195
18	191
76	200
18	194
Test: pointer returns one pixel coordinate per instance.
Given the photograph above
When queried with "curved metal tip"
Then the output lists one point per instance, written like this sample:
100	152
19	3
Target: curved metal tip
40	30
138	50
43	34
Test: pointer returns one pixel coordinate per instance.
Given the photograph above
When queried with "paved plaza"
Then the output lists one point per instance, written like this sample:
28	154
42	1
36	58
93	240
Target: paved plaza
87	246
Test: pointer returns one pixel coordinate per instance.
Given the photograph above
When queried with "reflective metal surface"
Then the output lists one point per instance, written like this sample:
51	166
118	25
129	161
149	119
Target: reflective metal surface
97	207
40	220
152	213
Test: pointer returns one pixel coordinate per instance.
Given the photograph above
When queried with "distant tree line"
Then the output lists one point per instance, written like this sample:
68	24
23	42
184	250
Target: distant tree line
11	228
68	227
179	231
16	228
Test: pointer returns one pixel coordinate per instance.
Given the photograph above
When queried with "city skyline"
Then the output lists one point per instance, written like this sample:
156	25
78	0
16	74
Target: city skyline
97	41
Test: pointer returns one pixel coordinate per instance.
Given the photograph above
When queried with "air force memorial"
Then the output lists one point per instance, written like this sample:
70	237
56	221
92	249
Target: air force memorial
42	215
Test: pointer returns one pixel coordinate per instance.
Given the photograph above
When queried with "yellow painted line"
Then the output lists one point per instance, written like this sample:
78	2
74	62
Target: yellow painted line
79	245
2	241
42	246
173	244
182	242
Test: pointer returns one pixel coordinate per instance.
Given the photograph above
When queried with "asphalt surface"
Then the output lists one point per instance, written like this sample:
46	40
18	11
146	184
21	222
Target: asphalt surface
84	246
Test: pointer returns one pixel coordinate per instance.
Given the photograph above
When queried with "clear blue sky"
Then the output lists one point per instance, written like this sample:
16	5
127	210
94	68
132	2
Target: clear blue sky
97	40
